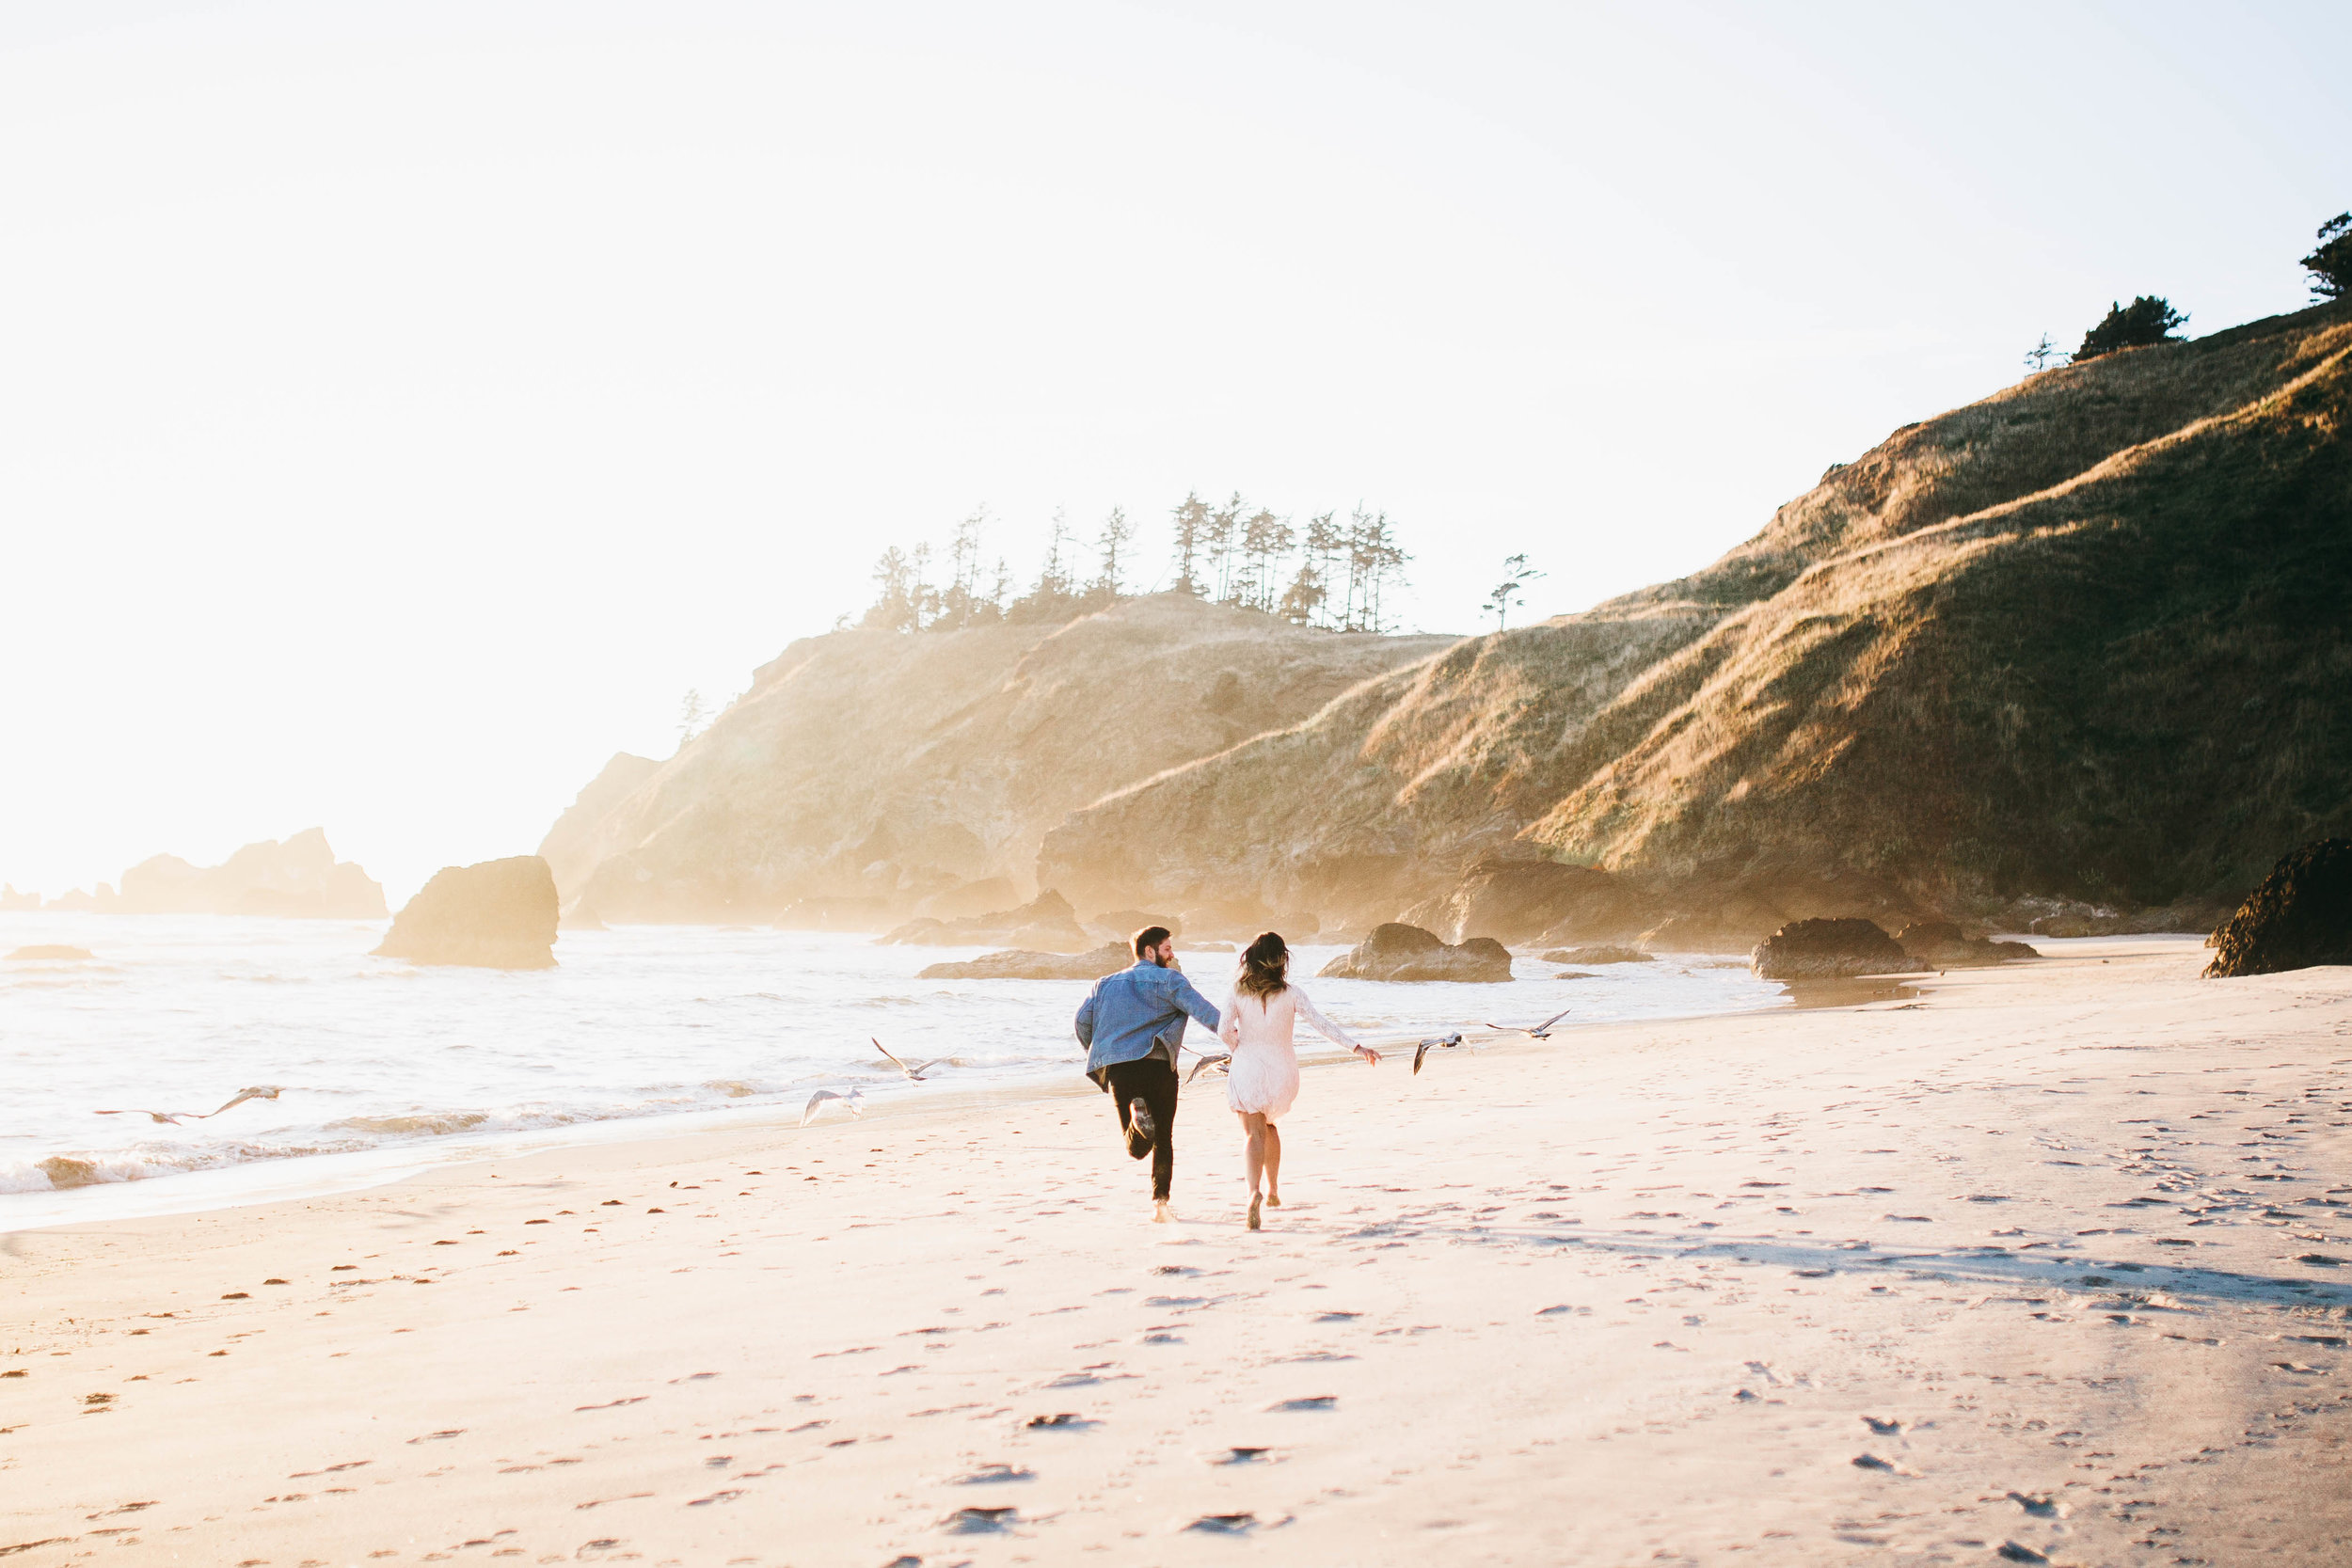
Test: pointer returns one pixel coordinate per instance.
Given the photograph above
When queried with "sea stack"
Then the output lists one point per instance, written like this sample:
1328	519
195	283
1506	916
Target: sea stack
1399	952
499	914
1830	950
2300	915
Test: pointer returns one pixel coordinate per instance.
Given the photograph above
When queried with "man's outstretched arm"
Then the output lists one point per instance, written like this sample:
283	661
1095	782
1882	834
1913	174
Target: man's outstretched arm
1200	1006
1085	1023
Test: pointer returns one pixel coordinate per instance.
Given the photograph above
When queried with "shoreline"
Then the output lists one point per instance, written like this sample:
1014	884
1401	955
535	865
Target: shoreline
1788	1285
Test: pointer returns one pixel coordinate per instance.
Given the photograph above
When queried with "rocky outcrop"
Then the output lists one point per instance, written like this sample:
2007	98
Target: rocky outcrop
499	914
296	879
11	899
1521	900
906	768
50	951
1045	922
1110	958
1942	944
2298	916
1395	951
1830	950
1601	954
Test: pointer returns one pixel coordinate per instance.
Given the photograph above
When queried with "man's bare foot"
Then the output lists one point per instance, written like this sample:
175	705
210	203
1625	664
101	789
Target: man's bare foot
1160	1215
1253	1210
1273	1199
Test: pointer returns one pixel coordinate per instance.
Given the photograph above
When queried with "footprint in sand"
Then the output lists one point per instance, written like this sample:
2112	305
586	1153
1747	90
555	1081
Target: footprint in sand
1063	1422
1224	1523
2012	1552
1337	1317
1313	1403
1241	1456
981	1521
993	1474
2039	1507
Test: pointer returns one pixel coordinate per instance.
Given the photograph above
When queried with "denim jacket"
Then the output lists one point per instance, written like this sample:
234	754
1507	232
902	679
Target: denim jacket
1129	1013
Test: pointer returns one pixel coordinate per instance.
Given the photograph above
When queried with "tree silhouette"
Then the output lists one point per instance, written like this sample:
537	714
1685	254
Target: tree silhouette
2331	264
1515	571
2146	321
1112	543
691	717
2039	356
1191	523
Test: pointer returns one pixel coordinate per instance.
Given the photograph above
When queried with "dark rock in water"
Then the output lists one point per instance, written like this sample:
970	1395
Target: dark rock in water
2300	915
1399	952
1830	950
1019	964
499	914
1941	945
1046	921
1602	955
48	950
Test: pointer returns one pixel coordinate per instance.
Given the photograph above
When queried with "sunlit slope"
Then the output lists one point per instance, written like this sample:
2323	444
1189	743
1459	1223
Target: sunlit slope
2084	638
895	768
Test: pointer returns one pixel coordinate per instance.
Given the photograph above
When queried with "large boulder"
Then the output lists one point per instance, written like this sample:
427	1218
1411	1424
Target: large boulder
499	914
1398	952
2299	916
1941	945
1830	950
1019	964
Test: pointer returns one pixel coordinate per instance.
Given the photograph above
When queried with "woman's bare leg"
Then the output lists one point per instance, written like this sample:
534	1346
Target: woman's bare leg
1273	1167
1253	1158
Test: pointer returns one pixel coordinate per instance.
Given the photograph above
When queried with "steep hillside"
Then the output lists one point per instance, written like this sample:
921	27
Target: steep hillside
2084	640
868	775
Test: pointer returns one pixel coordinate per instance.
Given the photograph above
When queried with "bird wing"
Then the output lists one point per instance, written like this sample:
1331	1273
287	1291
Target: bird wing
911	1072
936	1061
1555	1017
1419	1052
1512	1028
1207	1062
171	1117
814	1101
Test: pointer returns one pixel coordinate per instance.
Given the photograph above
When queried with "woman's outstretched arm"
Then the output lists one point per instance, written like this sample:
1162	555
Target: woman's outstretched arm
1228	1025
1328	1030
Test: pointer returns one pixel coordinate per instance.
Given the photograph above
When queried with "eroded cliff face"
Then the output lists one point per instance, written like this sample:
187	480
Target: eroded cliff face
2082	639
868	776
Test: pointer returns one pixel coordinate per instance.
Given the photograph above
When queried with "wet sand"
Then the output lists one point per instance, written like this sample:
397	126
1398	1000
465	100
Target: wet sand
2046	1263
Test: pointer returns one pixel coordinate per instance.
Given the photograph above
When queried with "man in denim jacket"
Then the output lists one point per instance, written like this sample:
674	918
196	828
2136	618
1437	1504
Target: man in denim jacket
1131	1025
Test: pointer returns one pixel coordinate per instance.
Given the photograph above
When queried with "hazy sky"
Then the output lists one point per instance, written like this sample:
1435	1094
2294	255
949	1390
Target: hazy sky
402	404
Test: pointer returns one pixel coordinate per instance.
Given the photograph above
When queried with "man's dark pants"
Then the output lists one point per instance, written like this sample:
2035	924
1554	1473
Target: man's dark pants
1153	1082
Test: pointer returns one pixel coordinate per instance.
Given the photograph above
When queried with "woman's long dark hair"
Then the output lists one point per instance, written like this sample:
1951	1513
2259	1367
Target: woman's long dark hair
1264	965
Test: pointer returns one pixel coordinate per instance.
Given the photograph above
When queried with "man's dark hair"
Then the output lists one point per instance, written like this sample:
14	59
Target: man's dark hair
1148	938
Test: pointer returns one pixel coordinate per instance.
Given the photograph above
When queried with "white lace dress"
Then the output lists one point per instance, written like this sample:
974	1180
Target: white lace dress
1262	1078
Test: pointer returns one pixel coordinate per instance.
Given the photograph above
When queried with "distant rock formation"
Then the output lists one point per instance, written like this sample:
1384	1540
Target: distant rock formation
48	950
2298	916
497	915
1941	945
1602	955
1395	951
1045	922
11	899
1830	950
299	878
1110	958
908	767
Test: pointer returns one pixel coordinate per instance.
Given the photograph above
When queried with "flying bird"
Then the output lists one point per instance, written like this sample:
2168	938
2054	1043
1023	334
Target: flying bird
854	1099
1222	1059
1540	1032
259	1091
914	1073
1445	1042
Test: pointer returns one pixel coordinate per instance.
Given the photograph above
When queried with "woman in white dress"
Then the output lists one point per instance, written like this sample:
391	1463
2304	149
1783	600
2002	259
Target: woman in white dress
1261	1080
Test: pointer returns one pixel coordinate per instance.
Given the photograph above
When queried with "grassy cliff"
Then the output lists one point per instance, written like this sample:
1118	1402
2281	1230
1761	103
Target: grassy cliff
2084	638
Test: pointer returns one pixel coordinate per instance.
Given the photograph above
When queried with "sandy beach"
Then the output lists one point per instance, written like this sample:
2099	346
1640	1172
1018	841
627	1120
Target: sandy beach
2052	1262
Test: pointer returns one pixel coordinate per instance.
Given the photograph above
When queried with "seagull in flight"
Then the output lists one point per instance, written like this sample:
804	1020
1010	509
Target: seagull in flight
259	1091
1540	1032
854	1099
1222	1059
914	1072
1445	1042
